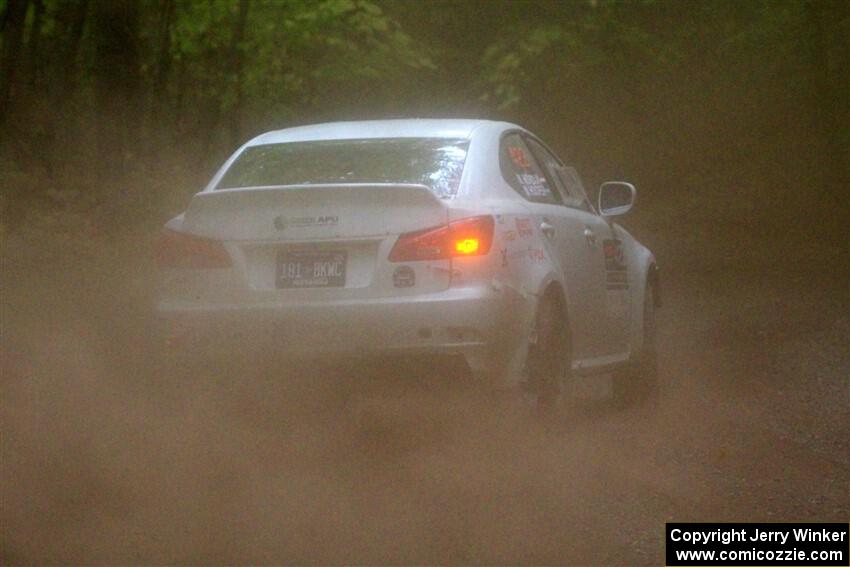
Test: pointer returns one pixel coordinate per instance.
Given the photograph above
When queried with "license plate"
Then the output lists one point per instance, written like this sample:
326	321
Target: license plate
310	269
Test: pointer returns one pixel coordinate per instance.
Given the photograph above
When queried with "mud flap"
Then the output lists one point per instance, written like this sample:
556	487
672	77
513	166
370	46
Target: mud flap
502	364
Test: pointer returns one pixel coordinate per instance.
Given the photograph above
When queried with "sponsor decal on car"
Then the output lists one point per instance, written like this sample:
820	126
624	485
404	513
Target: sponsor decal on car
537	255
523	227
616	272
282	223
510	235
533	184
404	276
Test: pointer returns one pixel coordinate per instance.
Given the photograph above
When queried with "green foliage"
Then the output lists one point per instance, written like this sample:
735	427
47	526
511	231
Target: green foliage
603	41
297	55
681	97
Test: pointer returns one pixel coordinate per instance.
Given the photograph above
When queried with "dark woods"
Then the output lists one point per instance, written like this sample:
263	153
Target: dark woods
724	113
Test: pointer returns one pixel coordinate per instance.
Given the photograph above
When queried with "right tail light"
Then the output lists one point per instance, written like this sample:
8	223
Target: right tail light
466	237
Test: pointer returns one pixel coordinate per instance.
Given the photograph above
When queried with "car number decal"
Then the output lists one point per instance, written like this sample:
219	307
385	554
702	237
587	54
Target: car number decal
518	157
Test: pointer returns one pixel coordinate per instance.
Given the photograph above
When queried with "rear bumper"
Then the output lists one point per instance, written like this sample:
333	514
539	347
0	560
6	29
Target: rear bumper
462	321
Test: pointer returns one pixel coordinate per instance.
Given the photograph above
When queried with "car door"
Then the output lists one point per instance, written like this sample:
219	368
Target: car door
589	237
564	234
618	292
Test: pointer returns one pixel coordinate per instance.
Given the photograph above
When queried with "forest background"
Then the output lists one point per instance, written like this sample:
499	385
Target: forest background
731	117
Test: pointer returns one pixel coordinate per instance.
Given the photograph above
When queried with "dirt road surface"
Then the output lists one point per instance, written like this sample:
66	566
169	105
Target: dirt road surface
107	460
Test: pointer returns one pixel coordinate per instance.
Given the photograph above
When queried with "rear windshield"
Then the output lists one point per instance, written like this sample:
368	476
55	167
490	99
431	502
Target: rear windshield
434	162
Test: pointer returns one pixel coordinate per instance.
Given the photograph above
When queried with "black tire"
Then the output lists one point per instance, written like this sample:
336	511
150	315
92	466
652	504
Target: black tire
638	382
549	355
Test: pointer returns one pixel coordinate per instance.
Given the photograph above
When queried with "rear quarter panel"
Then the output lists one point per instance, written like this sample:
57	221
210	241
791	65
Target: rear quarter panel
519	266
520	260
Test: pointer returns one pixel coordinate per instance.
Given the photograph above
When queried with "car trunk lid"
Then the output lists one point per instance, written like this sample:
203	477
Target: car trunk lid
322	241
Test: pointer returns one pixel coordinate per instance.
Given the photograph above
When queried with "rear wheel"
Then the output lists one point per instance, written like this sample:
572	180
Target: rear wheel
549	354
639	380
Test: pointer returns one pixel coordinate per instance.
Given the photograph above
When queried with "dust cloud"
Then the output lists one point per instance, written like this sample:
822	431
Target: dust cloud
110	456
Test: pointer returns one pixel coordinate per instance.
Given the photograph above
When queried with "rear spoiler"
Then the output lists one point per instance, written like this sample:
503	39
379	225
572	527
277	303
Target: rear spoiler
363	210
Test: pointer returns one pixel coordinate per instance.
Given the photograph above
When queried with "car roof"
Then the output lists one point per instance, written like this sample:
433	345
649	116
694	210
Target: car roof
406	128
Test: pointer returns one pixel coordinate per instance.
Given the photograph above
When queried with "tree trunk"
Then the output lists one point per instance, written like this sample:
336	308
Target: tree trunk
116	75
13	28
33	42
163	63
828	106
820	98
178	100
75	19
237	59
3	15
840	85
61	75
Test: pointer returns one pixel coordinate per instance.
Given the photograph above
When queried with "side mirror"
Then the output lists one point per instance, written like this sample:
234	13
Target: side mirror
616	198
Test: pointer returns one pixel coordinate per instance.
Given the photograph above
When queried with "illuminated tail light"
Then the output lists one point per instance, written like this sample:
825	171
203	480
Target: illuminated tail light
472	236
179	250
467	237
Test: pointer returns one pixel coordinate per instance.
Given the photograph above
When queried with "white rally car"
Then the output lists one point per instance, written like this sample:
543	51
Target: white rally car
466	237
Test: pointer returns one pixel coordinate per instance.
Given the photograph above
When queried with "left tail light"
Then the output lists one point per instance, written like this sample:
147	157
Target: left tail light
467	237
178	250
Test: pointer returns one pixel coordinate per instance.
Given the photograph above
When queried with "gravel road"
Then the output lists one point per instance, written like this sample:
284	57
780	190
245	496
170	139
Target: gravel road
105	460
